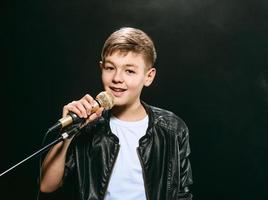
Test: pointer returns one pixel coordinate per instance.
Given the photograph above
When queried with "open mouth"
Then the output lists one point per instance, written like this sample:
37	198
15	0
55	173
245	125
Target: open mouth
117	91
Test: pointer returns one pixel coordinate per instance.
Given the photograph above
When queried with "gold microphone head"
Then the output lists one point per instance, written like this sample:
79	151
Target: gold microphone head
105	99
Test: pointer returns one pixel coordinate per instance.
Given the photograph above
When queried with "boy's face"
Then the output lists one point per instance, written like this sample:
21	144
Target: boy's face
124	74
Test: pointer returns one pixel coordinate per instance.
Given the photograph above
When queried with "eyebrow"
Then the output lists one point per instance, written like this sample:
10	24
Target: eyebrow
126	65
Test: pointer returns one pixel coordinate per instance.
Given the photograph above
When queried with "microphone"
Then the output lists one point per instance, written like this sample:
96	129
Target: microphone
103	99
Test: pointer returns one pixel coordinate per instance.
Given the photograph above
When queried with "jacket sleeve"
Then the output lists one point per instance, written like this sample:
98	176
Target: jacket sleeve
185	167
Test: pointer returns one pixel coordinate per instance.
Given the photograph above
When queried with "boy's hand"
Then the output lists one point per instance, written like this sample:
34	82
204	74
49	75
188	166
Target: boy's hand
83	108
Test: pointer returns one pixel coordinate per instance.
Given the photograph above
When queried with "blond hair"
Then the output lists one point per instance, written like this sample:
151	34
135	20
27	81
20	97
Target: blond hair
128	39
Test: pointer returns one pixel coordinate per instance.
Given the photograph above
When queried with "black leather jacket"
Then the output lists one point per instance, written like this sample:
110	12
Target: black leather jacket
163	153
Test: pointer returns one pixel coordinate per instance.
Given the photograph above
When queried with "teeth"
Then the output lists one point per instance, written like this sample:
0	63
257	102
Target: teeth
118	90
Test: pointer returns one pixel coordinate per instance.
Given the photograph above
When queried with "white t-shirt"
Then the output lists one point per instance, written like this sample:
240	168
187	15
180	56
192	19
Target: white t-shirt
126	181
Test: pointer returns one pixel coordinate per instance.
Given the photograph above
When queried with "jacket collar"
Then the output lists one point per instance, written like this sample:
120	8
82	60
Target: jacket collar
106	114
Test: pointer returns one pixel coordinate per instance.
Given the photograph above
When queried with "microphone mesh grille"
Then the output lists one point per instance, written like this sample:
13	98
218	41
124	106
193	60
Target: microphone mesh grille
105	99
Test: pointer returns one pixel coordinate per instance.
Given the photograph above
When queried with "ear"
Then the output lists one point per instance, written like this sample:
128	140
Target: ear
149	76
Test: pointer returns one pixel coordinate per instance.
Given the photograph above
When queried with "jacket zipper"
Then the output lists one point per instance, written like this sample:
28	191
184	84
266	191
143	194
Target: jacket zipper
143	174
110	174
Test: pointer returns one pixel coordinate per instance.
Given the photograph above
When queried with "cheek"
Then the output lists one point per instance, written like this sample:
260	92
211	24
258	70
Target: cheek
104	83
104	78
136	84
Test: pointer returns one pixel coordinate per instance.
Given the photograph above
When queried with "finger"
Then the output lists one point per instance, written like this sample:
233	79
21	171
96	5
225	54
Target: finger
99	111
93	117
82	109
90	99
74	109
70	108
65	111
87	105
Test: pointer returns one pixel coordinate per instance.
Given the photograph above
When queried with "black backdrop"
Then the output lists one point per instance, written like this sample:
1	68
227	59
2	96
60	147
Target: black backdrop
212	71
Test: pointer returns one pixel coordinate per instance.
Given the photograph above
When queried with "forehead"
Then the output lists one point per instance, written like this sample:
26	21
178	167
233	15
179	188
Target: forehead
120	57
125	56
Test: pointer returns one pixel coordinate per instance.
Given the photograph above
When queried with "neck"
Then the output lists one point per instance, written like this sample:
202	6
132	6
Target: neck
134	112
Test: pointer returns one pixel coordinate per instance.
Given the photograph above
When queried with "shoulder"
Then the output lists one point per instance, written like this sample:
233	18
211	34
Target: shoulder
166	119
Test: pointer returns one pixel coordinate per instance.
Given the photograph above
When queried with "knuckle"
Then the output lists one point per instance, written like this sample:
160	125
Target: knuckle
73	103
84	101
87	96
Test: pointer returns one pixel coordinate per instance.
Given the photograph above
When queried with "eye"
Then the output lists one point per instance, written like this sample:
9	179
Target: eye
108	68
129	71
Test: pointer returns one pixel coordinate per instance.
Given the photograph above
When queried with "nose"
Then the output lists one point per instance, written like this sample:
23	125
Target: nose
118	78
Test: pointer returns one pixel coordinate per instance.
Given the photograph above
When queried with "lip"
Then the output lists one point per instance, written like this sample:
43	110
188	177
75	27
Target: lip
117	91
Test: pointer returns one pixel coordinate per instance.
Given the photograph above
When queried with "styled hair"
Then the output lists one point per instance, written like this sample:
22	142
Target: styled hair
128	39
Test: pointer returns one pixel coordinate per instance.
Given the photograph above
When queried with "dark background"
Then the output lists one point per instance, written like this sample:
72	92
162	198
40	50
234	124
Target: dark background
212	71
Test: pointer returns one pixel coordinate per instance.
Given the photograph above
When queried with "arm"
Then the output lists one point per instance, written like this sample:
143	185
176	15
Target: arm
185	167
53	167
54	162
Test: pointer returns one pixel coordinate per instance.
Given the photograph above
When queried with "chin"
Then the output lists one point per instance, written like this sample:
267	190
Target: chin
120	102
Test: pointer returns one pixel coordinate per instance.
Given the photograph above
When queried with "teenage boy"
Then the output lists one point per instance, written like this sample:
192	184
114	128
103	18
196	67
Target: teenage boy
133	151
